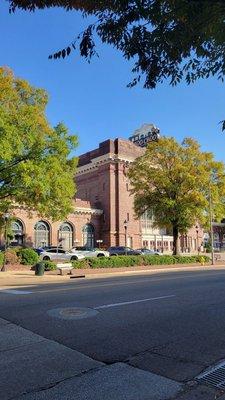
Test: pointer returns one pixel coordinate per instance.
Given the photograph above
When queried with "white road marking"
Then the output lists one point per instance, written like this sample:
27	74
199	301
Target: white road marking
133	302
13	291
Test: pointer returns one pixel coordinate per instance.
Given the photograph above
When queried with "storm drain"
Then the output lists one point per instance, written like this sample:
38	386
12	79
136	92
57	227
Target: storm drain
214	376
72	313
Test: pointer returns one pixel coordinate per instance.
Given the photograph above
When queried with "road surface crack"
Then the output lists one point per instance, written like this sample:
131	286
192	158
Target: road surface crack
54	384
155	351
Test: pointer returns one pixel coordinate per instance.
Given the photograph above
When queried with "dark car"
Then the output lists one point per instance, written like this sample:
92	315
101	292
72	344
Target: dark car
148	252
122	251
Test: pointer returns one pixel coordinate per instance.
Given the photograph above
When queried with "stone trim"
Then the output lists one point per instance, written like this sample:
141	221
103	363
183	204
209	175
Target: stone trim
102	160
157	237
84	210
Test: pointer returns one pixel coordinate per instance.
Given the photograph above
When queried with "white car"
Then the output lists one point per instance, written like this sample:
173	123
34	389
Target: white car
60	255
90	252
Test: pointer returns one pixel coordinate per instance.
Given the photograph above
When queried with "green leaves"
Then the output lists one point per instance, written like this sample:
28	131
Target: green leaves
170	40
173	180
36	169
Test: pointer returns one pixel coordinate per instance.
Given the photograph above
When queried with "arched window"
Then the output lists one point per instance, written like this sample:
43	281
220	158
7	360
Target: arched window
216	236
66	235
41	234
147	220
223	237
88	235
17	232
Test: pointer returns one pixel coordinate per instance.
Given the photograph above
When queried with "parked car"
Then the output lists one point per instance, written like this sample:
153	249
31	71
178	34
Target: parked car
122	251
40	249
60	255
148	252
90	252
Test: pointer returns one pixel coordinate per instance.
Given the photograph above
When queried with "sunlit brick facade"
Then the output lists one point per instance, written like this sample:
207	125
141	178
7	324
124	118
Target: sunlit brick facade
103	203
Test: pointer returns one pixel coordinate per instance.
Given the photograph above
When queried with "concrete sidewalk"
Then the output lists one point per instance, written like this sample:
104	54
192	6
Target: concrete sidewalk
32	367
35	368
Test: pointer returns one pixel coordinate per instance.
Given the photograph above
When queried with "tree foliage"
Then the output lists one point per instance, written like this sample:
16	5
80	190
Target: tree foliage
36	169
173	181
167	39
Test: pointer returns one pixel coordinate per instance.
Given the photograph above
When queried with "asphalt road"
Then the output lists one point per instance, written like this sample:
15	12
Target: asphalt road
172	324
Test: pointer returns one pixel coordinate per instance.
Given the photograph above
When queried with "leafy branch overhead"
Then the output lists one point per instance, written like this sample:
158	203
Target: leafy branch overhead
175	39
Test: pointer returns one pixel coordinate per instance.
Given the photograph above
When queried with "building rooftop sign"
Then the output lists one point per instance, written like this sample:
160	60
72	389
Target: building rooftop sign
147	133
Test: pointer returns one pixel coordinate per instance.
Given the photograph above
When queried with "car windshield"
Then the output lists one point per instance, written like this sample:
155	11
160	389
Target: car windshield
83	248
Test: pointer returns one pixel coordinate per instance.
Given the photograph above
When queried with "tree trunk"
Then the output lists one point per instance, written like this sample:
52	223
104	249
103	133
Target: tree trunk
175	240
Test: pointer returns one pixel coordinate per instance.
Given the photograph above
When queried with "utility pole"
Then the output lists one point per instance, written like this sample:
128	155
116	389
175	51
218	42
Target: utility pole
125	232
5	217
211	224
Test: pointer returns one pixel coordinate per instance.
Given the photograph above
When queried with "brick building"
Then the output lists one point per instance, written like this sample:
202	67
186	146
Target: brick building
103	209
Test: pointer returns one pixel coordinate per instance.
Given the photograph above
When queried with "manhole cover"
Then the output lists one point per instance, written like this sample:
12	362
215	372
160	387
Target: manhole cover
214	376
72	313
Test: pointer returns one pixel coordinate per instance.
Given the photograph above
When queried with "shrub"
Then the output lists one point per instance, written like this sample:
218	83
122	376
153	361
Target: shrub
129	261
11	256
81	264
49	265
1	258
200	257
28	256
159	260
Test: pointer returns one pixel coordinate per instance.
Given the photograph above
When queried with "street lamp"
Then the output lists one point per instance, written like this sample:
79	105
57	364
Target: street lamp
125	224
99	241
211	224
197	230
5	217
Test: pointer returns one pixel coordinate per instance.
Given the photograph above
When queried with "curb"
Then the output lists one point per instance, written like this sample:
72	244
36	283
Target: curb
154	271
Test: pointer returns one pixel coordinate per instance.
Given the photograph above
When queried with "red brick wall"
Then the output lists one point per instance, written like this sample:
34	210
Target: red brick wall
102	184
76	220
107	187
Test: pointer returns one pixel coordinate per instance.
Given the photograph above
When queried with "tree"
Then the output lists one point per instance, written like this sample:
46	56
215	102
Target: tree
36	169
173	181
172	39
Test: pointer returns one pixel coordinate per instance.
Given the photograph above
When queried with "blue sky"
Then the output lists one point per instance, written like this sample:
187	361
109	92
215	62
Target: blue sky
92	99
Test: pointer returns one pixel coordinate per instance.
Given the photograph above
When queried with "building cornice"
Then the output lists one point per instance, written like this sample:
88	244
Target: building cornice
87	210
102	160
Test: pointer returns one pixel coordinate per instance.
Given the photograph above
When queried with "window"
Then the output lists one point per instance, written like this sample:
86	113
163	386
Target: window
88	235
56	251
65	235
147	220
216	236
41	234
127	187
17	231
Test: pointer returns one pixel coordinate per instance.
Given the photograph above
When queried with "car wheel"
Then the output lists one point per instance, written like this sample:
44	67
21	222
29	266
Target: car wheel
74	258
46	258
101	255
113	255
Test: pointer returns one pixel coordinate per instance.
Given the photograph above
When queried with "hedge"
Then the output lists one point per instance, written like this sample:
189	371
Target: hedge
130	261
28	256
1	258
49	265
